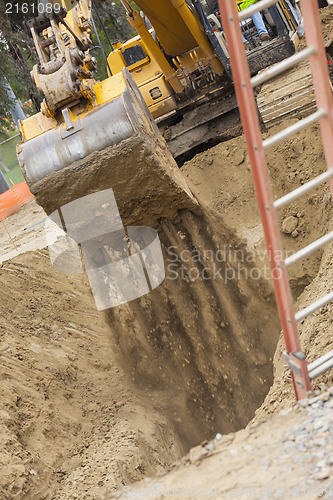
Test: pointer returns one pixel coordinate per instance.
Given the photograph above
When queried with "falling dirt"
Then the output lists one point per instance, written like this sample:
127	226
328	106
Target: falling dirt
199	349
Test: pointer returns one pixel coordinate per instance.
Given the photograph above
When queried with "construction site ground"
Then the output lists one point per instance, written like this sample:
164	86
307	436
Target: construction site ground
168	396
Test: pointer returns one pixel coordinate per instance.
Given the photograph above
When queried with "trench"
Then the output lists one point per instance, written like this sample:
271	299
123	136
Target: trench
94	400
101	400
201	344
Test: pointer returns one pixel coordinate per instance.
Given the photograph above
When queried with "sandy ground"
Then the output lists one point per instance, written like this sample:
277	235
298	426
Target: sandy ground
124	394
94	402
63	395
24	232
288	456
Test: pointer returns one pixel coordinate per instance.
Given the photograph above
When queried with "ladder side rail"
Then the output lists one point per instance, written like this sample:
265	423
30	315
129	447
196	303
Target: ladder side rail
251	126
320	76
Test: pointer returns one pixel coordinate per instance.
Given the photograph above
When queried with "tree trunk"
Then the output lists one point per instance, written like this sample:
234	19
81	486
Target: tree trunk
4	186
3	164
13	105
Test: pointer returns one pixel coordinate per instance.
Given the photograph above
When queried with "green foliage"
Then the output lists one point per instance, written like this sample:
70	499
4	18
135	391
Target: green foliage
17	55
15	175
113	17
9	159
8	150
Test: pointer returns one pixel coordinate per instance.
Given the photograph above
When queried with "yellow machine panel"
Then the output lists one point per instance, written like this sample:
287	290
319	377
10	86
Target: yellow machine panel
171	30
147	74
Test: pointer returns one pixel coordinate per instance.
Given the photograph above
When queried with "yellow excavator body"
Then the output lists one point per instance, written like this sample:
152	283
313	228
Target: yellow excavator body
172	69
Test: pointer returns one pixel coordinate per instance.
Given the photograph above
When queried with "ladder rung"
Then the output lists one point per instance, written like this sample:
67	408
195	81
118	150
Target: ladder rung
263	4
321	365
297	127
282	66
314	307
309	249
294	195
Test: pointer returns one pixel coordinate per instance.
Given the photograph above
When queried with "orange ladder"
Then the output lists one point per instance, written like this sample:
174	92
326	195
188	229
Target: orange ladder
301	372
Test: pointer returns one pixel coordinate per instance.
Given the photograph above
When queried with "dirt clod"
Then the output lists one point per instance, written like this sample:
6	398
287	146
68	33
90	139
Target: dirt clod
289	225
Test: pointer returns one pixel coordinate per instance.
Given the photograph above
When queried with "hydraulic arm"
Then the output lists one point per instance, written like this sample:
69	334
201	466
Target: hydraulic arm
62	38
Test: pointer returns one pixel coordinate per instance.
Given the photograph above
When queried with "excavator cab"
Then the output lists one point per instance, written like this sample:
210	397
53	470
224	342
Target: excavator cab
282	22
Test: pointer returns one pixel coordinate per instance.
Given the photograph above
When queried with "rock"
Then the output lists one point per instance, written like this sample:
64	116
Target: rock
323	474
289	225
317	405
313	400
284	413
197	454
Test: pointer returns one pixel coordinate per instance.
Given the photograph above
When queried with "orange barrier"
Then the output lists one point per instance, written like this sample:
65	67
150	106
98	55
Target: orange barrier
12	200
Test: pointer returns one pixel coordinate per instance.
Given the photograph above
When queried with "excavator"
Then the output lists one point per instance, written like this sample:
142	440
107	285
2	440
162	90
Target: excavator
169	89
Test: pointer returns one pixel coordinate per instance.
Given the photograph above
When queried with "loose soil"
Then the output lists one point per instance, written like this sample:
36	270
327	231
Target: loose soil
92	402
287	456
137	386
96	401
291	164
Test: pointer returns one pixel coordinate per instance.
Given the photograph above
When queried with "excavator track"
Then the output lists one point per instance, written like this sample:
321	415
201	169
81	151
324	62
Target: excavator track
289	96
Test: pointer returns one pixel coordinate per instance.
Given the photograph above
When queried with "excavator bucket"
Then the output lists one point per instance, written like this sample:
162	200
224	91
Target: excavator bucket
115	144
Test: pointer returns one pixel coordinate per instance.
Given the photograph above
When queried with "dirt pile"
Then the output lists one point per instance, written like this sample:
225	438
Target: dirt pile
316	340
95	401
67	414
121	395
326	23
221	178
287	456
